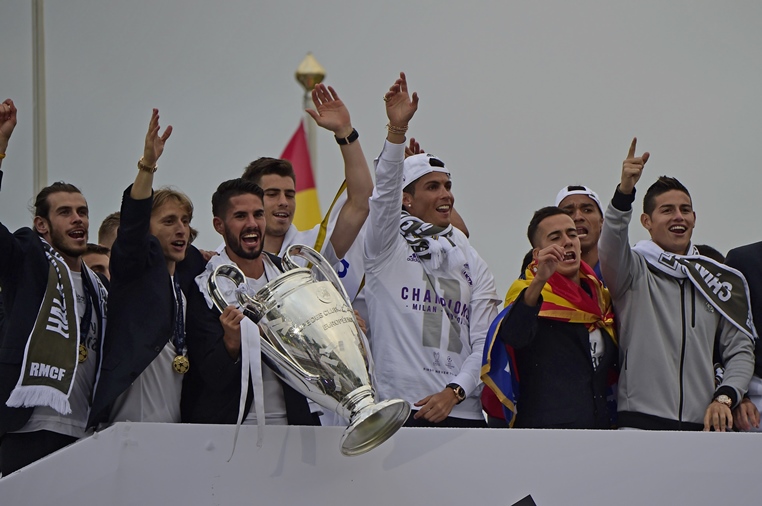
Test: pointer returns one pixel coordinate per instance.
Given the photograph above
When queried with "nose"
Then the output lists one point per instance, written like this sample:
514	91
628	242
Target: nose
576	215
282	200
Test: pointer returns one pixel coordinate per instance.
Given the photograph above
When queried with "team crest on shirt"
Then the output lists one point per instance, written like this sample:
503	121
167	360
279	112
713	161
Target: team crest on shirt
436	362
466	274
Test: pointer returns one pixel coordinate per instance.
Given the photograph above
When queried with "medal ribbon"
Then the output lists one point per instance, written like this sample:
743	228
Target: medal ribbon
178	337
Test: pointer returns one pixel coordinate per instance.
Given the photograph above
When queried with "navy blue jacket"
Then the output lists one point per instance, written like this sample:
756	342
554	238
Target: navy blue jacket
559	388
141	306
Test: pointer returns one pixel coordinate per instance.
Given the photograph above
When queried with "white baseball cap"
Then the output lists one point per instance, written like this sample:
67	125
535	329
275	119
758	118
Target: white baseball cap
419	165
578	190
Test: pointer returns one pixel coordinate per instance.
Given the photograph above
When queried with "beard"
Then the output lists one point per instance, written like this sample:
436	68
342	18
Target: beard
58	240
234	243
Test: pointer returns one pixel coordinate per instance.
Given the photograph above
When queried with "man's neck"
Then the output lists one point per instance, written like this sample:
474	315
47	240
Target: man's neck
73	263
591	257
171	264
274	243
251	268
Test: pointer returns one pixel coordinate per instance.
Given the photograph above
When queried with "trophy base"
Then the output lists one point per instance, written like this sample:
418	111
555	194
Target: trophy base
374	425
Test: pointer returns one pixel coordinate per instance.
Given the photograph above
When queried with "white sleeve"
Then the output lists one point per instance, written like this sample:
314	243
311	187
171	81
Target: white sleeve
484	308
386	201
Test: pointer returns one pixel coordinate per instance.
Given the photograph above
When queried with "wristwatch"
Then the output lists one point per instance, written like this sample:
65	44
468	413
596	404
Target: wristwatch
724	399
459	392
349	139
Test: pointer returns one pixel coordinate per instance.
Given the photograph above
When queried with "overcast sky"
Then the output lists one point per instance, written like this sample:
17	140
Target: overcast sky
518	98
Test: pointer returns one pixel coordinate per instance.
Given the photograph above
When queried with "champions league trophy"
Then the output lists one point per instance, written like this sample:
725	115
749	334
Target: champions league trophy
310	334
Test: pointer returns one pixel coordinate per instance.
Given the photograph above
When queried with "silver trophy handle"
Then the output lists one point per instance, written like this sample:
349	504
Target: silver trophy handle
250	306
253	309
320	263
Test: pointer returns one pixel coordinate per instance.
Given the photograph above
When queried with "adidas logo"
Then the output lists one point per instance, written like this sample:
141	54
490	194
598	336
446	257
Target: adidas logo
413	258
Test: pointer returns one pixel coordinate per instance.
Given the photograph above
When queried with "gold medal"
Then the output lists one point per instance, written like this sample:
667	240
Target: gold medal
181	364
82	353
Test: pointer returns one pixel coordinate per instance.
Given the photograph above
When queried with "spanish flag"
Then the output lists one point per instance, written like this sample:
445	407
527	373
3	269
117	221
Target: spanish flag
307	203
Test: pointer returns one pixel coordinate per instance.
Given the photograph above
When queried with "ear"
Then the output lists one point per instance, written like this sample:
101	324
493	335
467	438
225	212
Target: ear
41	225
407	199
535	252
645	220
218	226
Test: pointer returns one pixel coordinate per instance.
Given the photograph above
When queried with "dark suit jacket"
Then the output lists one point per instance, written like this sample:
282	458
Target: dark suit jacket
748	260
141	306
559	386
23	276
212	387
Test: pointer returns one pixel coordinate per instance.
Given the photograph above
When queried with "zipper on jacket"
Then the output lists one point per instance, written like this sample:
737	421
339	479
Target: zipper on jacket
693	306
682	353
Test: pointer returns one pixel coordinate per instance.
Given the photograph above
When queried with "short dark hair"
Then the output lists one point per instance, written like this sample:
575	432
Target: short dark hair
108	225
539	215
97	248
265	166
42	205
662	185
232	188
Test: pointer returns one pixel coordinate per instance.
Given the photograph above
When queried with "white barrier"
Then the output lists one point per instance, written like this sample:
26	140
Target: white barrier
166	464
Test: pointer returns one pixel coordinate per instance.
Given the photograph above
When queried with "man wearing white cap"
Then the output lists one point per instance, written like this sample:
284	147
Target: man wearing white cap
430	296
586	210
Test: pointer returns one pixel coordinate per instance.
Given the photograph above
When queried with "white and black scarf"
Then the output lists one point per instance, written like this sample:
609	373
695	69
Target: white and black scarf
432	244
52	349
723	287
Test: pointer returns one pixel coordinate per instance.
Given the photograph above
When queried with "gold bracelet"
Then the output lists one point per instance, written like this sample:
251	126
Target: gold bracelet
2	155
147	168
395	129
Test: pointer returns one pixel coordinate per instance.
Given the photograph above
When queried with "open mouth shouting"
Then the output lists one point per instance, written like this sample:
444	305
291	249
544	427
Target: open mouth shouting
179	245
78	234
570	257
582	232
250	238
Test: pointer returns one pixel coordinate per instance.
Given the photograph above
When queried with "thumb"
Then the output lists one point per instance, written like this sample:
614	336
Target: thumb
645	157
313	113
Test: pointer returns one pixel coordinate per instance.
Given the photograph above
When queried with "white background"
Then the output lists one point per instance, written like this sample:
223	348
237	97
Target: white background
518	98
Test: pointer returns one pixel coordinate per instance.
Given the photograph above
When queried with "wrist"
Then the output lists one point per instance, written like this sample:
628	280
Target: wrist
343	131
348	139
145	166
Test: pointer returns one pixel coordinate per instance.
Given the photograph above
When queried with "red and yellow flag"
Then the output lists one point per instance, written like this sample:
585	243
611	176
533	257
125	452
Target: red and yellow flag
307	204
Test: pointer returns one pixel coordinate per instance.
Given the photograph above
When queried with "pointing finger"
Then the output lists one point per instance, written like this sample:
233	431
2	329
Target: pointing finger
631	154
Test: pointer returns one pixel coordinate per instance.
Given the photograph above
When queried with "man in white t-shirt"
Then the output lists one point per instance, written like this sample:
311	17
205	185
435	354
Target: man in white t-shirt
430	296
348	213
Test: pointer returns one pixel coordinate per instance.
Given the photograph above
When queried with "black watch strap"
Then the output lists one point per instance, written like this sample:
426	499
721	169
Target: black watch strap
343	141
459	392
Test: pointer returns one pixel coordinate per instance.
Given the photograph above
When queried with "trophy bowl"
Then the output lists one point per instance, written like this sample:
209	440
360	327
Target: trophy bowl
313	342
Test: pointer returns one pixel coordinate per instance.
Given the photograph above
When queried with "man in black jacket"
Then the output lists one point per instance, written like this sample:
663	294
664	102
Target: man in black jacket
152	268
51	336
748	260
561	328
212	388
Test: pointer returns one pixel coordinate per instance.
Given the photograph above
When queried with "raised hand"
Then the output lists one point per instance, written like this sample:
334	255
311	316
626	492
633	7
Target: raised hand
547	261
330	112
154	145
632	168
7	122
400	108
413	148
